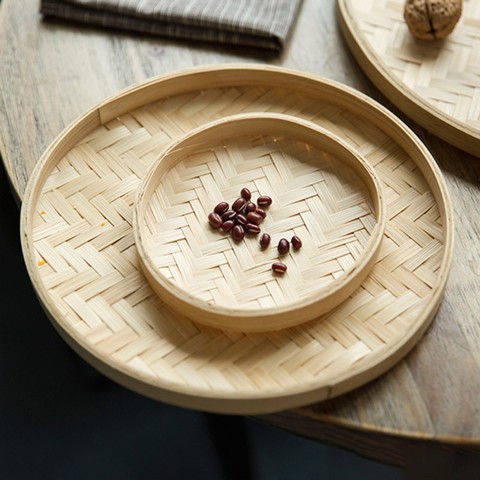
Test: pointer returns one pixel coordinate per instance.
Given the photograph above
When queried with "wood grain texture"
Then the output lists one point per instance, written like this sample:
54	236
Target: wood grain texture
51	73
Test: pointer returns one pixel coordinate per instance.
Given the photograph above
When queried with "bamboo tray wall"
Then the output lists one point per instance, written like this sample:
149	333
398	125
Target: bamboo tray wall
80	252
436	83
322	191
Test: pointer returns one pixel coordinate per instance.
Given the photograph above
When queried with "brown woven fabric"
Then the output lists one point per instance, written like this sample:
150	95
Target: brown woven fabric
260	23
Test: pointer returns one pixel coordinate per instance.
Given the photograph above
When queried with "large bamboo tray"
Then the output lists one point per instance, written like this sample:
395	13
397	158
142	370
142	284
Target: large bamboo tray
436	83
322	191
80	251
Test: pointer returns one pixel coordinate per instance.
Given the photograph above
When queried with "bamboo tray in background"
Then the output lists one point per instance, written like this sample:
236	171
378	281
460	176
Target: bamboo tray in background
322	191
436	83
80	252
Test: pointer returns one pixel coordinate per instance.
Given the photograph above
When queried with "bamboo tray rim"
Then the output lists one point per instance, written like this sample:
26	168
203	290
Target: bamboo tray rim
235	74
452	130
269	318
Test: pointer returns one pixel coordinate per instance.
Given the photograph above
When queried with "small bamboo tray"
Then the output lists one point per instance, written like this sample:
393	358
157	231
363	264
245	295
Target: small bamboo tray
436	83
80	252
322	191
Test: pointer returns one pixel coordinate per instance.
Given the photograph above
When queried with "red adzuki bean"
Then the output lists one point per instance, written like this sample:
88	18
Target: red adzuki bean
222	207
240	219
265	240
252	228
279	267
264	201
228	215
255	218
215	220
261	212
238	232
250	207
227	225
283	246
296	242
246	193
239	204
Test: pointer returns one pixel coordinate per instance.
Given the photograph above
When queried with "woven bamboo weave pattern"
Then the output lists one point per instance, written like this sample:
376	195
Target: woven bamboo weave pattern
446	74
314	196
88	263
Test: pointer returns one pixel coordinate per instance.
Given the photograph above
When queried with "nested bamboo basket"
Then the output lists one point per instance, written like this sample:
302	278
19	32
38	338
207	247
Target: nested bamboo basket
80	251
322	191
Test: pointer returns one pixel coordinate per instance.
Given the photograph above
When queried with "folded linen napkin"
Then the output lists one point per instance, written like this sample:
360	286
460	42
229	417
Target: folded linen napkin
259	23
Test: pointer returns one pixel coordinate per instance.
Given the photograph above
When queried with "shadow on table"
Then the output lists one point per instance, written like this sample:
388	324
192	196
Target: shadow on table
60	419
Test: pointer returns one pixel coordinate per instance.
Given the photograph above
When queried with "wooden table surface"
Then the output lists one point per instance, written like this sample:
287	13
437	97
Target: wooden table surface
51	73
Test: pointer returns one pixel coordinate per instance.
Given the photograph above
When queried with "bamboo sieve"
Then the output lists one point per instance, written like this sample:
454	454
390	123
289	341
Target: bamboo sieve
80	252
436	83
322	190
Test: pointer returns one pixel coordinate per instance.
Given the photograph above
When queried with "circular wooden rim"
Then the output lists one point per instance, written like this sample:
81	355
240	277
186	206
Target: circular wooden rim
450	129
261	401
273	318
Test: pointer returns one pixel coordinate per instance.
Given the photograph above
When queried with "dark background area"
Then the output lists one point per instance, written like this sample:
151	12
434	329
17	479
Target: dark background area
62	420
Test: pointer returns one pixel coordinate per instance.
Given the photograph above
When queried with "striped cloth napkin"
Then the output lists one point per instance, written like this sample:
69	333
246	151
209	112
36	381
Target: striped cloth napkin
259	23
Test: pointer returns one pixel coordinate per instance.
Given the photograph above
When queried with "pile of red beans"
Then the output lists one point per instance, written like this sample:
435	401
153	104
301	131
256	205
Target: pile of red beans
244	217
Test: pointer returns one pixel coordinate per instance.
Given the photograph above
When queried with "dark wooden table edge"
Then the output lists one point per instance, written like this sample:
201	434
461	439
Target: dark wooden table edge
388	447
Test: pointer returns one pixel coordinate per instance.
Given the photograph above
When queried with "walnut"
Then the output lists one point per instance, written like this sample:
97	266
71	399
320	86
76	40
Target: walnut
432	19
